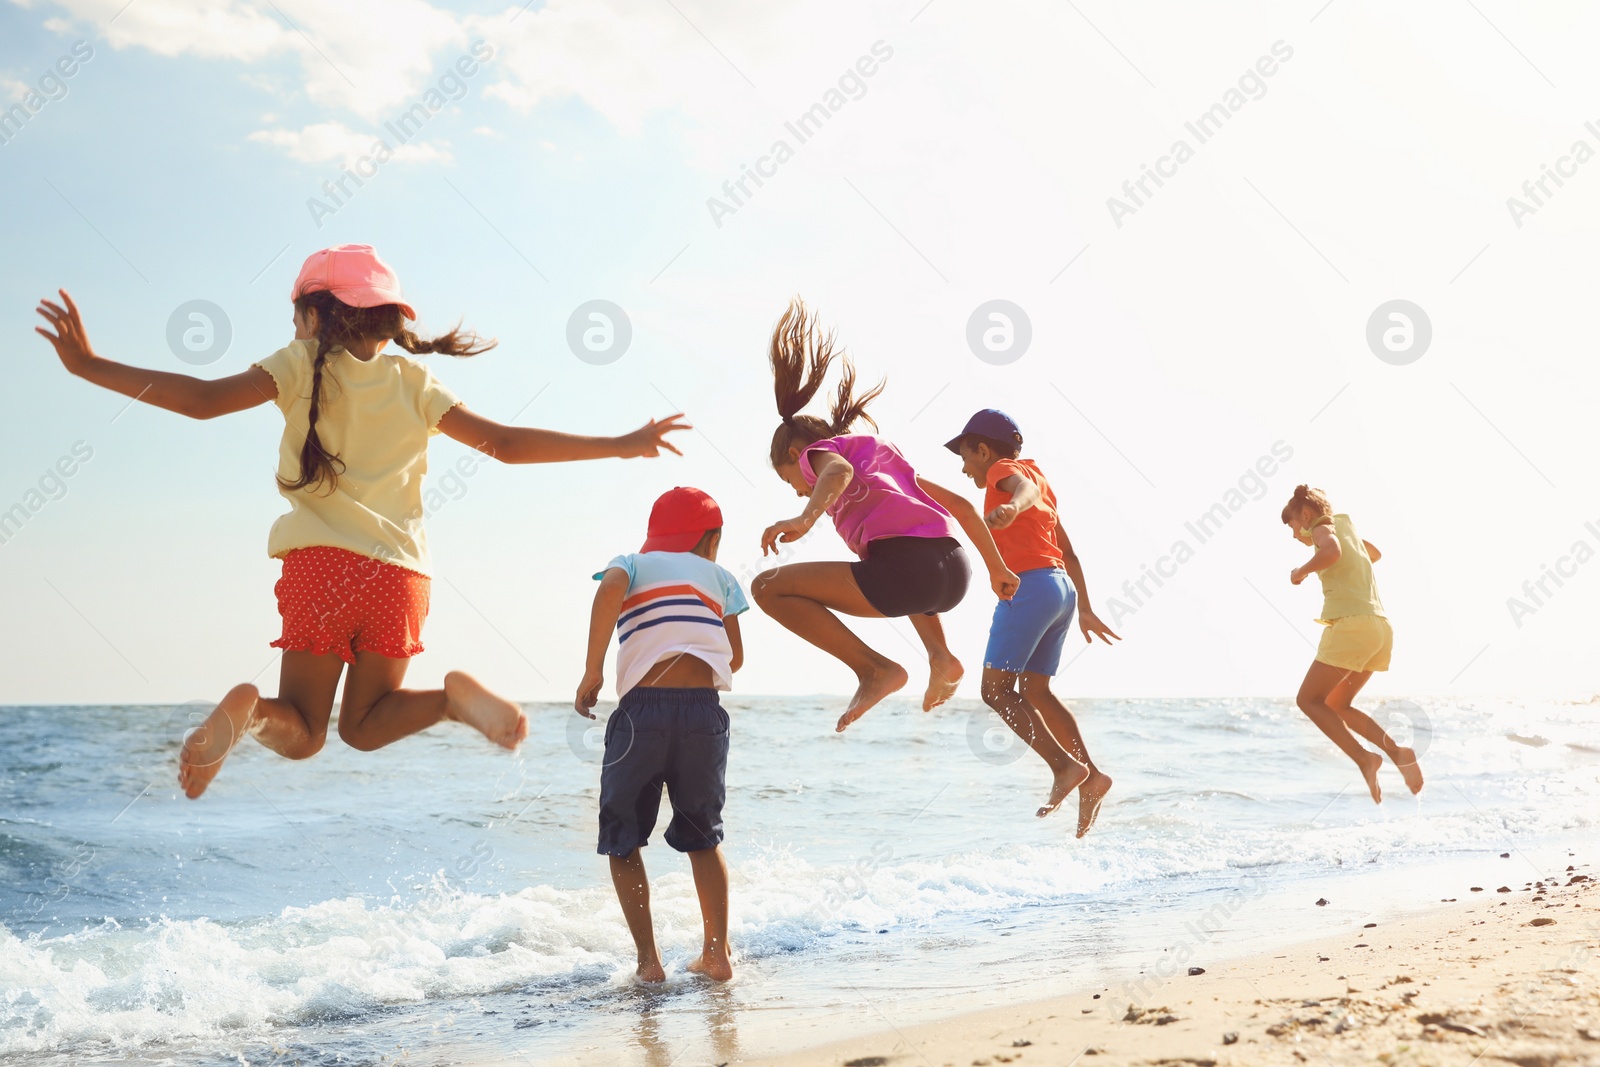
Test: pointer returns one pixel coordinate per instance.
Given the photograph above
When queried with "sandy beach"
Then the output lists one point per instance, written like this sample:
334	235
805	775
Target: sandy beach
1503	971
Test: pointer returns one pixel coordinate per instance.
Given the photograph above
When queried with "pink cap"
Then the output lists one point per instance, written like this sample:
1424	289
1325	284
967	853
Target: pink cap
354	274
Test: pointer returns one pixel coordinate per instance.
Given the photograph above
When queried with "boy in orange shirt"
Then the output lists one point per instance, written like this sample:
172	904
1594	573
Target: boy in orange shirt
1030	630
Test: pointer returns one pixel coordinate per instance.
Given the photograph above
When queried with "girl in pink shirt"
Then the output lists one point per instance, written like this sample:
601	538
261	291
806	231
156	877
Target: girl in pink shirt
903	527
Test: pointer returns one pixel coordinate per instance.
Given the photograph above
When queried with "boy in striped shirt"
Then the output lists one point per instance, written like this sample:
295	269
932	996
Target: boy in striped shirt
675	613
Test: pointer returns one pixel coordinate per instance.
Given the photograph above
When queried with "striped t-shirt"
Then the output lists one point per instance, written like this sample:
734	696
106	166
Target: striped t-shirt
675	605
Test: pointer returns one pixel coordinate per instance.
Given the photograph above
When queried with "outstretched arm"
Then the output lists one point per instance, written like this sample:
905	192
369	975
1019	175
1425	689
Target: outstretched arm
1001	579
526	444
198	398
1088	622
602	621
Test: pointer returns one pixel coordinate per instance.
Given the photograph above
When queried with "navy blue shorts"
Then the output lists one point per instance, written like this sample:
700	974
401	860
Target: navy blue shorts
657	737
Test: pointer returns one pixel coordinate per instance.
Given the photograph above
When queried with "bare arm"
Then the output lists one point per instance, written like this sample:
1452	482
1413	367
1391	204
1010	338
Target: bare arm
1088	622
602	622
1372	551
1024	495
735	642
198	398
1000	577
1326	555
834	475
527	444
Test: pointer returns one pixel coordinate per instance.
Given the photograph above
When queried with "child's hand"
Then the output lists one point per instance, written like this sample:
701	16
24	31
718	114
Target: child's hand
1002	516
1092	627
588	693
1004	583
71	341
648	440
1296	576
787	530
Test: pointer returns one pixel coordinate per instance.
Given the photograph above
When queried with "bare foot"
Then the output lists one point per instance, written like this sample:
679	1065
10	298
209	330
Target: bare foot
1090	794
650	972
492	716
944	676
1068	778
1369	763
1406	761
206	746
713	965
875	685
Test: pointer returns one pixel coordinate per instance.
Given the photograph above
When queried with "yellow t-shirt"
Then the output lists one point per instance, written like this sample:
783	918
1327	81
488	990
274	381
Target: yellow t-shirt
1348	587
377	417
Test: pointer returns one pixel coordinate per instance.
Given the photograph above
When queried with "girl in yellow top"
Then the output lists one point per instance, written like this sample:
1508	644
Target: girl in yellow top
1357	641
355	584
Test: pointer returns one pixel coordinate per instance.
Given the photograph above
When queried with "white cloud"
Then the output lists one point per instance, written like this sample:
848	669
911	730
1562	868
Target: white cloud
334	142
363	56
12	90
488	131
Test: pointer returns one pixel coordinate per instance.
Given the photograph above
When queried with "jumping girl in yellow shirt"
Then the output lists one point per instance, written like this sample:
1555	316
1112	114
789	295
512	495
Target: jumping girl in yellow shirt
1357	641
354	591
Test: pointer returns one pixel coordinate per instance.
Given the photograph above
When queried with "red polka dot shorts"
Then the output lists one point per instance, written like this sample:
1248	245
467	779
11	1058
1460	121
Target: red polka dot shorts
335	600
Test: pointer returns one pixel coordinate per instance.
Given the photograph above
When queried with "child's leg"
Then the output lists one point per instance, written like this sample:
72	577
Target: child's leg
633	893
293	724
377	712
1312	699
944	670
799	595
999	693
711	886
1405	760
1060	722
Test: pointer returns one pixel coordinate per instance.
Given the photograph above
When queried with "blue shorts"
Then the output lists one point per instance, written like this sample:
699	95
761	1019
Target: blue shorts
1031	628
657	737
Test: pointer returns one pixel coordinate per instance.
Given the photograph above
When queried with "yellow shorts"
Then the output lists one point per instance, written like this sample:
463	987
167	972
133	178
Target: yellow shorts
1357	643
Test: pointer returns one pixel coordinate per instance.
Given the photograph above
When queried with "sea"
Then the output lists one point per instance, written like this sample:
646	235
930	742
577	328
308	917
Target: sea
441	901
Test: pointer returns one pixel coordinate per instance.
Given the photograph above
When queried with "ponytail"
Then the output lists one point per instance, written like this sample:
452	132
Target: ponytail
1306	497
801	355
338	326
317	466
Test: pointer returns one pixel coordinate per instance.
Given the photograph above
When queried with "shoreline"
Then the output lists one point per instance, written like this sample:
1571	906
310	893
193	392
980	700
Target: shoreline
1483	977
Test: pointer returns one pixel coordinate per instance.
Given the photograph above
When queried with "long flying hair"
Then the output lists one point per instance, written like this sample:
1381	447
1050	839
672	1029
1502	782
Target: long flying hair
801	355
338	327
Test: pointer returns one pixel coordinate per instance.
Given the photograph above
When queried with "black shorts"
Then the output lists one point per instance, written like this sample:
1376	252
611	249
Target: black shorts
913	575
657	737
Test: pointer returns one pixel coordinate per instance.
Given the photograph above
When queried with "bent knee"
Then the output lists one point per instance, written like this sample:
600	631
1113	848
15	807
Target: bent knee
307	748
351	733
764	587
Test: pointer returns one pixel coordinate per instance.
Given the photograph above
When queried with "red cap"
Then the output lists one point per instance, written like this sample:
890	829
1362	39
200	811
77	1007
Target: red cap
680	517
354	274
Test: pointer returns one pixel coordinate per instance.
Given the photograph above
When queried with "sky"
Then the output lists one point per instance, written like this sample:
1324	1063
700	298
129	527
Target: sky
1199	341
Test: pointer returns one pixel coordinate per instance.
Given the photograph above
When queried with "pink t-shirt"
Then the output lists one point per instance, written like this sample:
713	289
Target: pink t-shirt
883	499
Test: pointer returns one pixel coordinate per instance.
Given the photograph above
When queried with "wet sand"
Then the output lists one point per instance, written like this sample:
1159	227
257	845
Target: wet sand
1509	973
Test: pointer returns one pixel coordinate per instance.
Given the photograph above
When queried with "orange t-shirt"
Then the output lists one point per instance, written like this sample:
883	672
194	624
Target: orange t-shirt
1030	541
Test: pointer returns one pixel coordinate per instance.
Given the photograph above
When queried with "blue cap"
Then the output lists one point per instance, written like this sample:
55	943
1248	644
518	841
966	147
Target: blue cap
990	422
